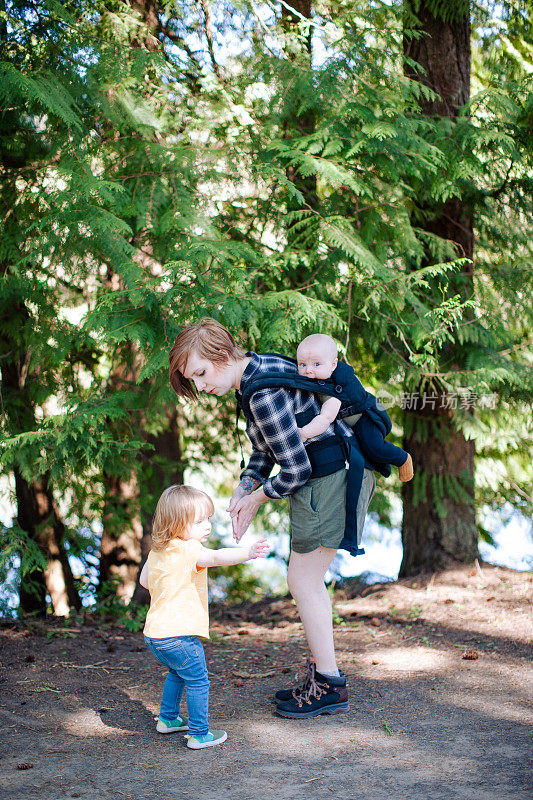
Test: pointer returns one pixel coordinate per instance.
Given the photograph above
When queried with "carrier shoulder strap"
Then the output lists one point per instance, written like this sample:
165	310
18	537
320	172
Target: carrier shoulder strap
279	379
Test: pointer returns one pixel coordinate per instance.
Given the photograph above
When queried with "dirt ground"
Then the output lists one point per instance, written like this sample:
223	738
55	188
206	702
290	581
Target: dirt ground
78	704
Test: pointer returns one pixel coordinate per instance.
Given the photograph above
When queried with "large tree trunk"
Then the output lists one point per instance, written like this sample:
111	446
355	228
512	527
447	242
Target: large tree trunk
439	521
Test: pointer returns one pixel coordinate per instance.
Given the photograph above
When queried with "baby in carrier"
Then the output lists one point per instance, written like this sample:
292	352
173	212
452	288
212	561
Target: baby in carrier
317	359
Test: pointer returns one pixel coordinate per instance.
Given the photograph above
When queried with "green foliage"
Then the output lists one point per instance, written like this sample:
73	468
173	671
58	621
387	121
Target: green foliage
236	584
111	608
143	189
17	545
457	488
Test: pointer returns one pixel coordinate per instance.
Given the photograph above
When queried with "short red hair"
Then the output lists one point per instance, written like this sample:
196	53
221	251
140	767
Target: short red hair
208	339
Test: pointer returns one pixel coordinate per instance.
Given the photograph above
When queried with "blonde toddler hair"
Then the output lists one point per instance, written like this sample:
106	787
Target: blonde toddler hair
178	507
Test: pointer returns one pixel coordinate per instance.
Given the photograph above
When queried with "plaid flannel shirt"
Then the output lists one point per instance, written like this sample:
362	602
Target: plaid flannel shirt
273	431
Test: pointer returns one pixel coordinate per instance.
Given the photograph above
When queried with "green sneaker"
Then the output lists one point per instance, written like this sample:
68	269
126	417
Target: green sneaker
172	725
209	739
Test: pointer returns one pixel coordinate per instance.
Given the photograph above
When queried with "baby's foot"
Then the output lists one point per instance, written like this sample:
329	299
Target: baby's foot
406	472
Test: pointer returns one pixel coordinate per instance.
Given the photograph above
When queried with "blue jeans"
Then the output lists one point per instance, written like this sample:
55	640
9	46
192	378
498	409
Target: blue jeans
184	658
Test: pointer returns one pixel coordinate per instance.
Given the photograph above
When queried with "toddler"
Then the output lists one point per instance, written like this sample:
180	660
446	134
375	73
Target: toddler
317	359
175	573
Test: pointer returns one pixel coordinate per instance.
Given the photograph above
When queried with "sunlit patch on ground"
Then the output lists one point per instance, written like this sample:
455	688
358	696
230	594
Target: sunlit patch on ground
86	722
408	659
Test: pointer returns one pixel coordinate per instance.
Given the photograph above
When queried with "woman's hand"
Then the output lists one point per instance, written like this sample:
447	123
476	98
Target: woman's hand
244	512
239	493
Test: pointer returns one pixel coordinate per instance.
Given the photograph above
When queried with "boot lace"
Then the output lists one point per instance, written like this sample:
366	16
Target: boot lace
298	690
313	689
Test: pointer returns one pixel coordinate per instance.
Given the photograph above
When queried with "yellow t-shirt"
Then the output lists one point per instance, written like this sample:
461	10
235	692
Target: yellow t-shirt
178	591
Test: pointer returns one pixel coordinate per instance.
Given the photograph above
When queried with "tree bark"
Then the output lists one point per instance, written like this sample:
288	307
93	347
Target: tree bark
162	467
120	546
439	522
129	507
32	590
147	39
37	513
39	518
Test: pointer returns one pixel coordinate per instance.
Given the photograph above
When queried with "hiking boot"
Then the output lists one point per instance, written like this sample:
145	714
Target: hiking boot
283	695
209	739
321	695
172	725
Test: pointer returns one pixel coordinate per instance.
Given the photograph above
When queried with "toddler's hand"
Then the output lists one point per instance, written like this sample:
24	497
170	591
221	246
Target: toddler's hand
259	549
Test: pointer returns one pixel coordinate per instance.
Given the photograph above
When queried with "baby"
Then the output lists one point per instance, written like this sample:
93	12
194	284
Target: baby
317	359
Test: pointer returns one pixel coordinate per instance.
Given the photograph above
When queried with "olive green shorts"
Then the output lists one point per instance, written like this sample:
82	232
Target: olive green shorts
317	511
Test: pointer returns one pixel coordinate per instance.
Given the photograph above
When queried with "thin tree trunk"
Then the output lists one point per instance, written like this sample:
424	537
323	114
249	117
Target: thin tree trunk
295	125
439	522
39	518
147	37
162	467
32	591
120	546
59	577
130	498
299	124
37	513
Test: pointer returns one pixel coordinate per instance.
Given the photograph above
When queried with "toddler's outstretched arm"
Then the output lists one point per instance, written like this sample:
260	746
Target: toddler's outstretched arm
228	556
322	421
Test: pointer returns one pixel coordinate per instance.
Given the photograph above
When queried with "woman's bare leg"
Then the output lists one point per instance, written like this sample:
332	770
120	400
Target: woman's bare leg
305	579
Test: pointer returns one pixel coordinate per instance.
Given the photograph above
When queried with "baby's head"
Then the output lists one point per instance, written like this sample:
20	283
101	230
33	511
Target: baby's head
181	513
317	356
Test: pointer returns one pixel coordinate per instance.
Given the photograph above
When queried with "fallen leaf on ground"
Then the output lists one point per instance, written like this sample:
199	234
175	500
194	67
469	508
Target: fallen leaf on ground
44	688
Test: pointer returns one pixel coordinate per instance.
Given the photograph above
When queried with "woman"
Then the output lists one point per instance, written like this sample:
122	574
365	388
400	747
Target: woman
206	358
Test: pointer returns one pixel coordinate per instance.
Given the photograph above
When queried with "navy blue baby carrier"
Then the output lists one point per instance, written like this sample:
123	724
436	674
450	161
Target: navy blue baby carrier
338	451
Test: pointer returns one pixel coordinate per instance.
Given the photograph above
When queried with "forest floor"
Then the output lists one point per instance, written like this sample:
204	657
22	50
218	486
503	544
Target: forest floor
78	703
